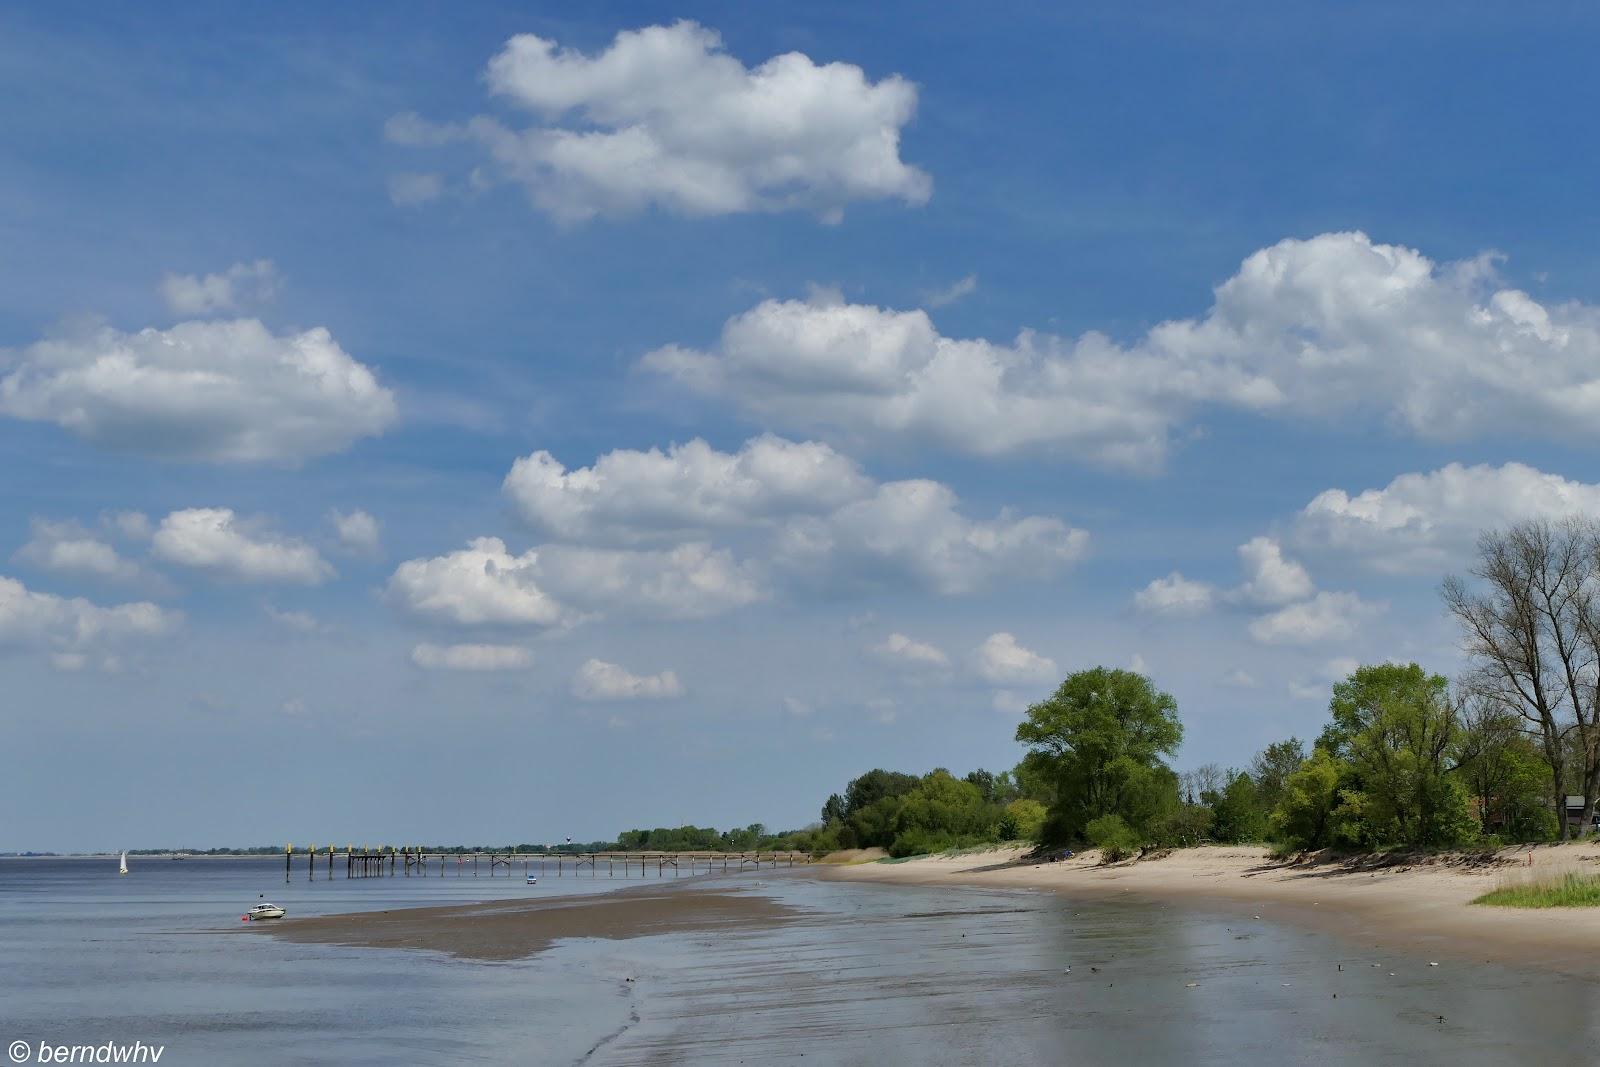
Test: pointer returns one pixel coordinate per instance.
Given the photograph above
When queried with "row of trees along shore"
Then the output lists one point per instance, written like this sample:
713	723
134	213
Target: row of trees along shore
1407	758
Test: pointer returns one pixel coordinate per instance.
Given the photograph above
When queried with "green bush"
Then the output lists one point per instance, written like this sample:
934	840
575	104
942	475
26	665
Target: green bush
1022	821
1114	838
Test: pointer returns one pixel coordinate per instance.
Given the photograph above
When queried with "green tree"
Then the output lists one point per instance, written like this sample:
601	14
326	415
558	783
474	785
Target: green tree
877	784
984	781
1101	738
1237	812
1305	817
1271	769
1401	733
1505	774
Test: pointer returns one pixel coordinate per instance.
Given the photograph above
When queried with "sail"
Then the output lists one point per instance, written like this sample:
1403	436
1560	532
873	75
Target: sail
124	867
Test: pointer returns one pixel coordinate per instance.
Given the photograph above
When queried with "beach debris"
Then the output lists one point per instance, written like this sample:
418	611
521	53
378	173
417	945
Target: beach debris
1067	971
1094	970
1341	966
1391	974
1433	964
1191	985
1286	985
1255	916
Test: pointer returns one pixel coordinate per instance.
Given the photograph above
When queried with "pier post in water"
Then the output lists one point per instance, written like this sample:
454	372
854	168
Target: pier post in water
288	853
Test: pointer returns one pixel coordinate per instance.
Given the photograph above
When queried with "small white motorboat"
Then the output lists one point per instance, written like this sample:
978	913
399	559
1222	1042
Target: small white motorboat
533	879
264	911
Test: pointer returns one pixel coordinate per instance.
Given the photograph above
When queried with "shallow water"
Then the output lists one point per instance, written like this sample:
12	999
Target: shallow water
873	975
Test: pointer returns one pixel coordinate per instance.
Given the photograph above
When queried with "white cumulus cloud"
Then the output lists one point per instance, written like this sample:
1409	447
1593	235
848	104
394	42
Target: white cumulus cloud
828	522
471	657
1428	522
219	542
1003	661
1271	579
598	680
1332	327
664	118
565	584
901	651
1175	595
215	391
357	531
688	581
69	548
32	619
241	285
1325	617
690	488
480	584
913	532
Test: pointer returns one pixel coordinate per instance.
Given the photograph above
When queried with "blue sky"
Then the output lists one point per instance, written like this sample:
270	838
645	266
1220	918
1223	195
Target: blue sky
976	346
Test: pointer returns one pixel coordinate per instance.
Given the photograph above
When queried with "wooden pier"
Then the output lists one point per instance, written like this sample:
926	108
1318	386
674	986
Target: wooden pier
415	862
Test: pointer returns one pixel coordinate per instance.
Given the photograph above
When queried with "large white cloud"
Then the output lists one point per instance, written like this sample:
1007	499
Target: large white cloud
1003	661
1333	327
1426	523
691	488
216	391
664	118
913	532
598	680
42	620
564	584
828	522
471	657
1325	617
220	542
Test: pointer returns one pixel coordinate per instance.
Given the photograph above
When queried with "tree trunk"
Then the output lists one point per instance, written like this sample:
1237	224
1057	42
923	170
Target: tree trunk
1561	807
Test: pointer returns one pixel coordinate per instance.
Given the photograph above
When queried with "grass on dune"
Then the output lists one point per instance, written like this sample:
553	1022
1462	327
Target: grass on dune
1567	889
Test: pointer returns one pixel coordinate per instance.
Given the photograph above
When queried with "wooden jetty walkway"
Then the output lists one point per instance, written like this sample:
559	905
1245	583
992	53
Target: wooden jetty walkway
415	862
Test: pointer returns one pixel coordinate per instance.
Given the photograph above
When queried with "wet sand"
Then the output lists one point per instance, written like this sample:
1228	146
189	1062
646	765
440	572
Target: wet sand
1421	905
516	929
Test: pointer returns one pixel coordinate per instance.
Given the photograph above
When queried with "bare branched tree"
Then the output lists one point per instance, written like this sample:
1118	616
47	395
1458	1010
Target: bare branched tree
1533	635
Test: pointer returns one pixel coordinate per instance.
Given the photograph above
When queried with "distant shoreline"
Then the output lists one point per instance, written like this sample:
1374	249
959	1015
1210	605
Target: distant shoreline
1422	907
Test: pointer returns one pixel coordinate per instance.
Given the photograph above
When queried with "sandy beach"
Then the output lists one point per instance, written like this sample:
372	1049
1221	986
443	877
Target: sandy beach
512	930
1423	904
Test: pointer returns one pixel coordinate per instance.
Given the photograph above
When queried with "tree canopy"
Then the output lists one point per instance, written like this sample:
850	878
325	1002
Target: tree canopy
1101	738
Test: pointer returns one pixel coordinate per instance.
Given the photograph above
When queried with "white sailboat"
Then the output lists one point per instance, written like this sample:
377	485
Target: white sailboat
123	867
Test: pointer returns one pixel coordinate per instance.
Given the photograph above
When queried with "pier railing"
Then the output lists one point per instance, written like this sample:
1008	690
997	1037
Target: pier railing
417	862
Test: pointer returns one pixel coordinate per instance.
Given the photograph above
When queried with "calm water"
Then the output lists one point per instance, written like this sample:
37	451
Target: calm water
872	975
